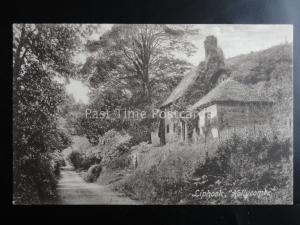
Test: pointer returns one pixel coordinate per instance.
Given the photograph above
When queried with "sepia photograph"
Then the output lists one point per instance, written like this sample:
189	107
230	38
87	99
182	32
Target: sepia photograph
152	114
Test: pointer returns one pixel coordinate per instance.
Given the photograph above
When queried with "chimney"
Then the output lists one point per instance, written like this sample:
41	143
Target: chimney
210	46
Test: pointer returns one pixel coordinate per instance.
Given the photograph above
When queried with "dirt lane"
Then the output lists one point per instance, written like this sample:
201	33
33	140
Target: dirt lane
72	189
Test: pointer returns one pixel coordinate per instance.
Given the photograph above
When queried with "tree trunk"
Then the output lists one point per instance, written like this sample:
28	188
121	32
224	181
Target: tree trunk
16	71
18	59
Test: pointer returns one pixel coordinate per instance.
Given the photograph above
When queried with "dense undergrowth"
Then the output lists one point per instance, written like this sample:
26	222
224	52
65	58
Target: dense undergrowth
36	177
176	176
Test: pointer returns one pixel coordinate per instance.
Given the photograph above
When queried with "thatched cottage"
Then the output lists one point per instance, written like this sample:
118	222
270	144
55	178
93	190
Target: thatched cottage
229	106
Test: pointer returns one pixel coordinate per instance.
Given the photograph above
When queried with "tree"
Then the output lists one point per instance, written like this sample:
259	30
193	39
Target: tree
143	61
139	56
40	52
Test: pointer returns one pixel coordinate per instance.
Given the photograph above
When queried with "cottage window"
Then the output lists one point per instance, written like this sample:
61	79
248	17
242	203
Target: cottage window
208	115
168	128
207	118
174	128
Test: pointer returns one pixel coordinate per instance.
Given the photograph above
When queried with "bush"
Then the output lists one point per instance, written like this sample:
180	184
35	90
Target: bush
110	151
57	161
113	145
82	161
120	163
239	156
75	158
36	179
82	154
246	163
93	173
139	131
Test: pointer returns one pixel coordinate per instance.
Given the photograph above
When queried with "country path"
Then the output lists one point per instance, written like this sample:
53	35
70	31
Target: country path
72	189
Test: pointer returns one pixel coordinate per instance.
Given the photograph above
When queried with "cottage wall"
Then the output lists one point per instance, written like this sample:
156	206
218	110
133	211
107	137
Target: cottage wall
235	115
220	121
172	130
243	119
213	114
154	138
227	118
283	125
232	115
175	130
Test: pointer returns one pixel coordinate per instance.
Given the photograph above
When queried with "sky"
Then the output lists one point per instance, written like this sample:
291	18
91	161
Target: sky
233	39
241	39
78	90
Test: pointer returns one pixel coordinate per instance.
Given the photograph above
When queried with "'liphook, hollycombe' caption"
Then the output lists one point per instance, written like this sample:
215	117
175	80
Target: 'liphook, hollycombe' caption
235	194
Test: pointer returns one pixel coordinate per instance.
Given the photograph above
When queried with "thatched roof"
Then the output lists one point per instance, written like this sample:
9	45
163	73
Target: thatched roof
214	58
187	81
230	91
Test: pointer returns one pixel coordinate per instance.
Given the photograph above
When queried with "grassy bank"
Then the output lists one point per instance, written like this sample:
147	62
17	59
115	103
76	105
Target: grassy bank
175	174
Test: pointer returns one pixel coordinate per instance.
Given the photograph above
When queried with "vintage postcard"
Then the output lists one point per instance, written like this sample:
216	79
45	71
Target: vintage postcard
170	114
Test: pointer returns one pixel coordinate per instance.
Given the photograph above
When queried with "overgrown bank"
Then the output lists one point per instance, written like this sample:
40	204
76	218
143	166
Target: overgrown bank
169	175
178	173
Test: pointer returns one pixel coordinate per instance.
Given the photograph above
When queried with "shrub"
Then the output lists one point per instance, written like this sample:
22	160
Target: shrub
36	181
82	161
75	159
239	156
93	173
246	163
110	151
82	155
113	145
57	161
120	163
